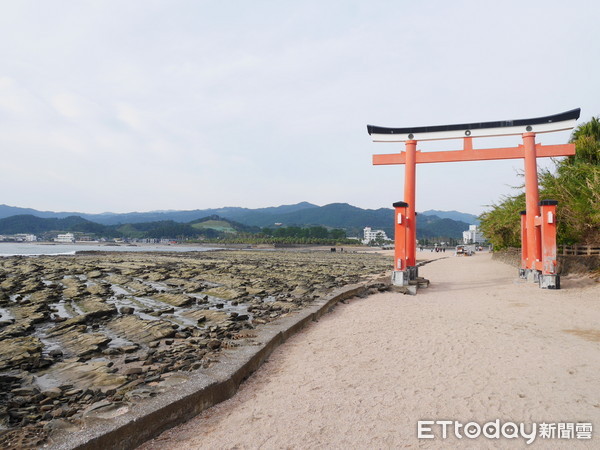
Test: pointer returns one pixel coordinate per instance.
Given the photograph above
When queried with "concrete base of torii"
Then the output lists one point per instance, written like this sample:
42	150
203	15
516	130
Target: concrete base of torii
407	281
545	281
549	281
403	277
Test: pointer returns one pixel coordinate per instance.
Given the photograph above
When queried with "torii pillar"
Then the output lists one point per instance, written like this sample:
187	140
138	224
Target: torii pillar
538	225
410	196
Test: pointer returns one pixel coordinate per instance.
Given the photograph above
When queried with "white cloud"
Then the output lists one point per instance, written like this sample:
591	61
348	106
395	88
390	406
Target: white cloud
68	105
131	117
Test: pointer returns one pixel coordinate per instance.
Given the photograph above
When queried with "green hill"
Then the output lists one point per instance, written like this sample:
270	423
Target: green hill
163	229
36	225
222	225
217	225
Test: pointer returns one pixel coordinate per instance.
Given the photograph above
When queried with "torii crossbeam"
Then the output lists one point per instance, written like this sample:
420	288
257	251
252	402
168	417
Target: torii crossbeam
538	262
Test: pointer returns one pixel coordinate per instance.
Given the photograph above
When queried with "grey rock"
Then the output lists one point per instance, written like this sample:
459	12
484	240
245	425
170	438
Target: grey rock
214	344
56	353
127	310
52	392
133	371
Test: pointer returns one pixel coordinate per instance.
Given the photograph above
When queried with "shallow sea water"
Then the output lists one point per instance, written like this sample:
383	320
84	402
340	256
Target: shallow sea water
35	249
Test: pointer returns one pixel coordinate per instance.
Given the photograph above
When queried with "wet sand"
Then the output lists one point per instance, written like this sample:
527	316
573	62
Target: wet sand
477	345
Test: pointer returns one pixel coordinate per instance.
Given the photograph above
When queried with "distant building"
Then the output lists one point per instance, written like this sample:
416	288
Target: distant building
26	237
20	237
371	235
67	237
473	235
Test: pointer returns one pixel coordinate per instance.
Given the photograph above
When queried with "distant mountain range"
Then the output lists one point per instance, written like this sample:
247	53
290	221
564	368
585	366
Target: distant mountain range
454	215
336	215
245	215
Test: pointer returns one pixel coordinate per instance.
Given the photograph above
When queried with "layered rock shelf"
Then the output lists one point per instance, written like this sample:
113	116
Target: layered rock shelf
87	336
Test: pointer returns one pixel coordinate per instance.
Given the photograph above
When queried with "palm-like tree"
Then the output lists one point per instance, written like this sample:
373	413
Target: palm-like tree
591	128
586	137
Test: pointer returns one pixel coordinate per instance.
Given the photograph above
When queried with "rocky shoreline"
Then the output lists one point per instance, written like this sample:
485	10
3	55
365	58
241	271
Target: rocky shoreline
85	337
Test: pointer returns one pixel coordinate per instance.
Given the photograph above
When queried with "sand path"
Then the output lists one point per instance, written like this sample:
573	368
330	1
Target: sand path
477	345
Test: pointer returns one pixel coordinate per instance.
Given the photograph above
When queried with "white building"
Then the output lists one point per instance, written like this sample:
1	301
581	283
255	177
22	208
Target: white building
371	235
25	237
473	235
67	237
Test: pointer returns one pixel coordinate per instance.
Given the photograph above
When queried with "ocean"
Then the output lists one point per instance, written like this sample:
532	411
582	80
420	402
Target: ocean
33	248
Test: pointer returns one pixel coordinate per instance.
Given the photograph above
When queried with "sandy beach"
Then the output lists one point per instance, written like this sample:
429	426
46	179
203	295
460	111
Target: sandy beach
478	345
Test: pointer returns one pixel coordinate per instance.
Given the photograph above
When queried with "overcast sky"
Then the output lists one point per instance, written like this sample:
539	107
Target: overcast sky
151	105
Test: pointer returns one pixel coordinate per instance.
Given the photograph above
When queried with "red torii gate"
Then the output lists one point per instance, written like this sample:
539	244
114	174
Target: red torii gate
538	222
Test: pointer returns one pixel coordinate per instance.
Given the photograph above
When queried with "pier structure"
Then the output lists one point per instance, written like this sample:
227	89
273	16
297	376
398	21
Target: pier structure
538	221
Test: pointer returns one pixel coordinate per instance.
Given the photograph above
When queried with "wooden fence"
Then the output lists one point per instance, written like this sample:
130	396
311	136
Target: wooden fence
579	250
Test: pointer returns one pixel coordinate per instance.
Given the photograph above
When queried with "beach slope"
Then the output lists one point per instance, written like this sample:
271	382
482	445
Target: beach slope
478	345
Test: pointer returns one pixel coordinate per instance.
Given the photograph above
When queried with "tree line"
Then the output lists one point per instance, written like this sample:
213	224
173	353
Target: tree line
317	235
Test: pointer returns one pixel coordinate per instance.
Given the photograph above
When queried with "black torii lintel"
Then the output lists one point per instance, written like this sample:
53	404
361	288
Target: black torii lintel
573	114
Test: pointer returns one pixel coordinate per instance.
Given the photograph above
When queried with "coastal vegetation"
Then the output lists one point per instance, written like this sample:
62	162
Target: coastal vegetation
574	183
293	235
